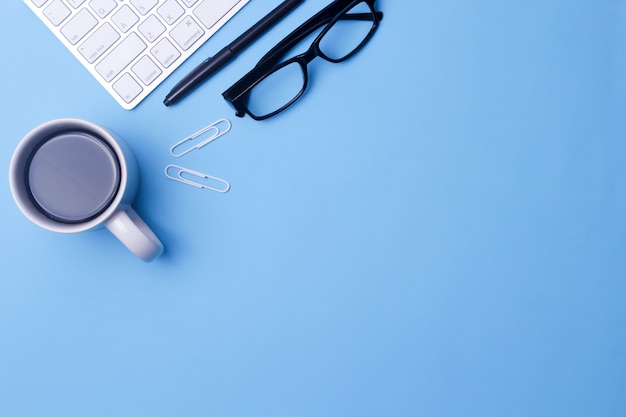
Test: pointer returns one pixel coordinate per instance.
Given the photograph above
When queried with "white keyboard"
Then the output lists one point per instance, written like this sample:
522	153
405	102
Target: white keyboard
131	46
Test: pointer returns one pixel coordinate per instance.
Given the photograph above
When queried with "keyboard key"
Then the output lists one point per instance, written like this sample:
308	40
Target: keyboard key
99	42
57	12
125	18
151	28
146	70
119	58
170	11
186	33
165	52
103	7
79	26
144	6
209	12
127	88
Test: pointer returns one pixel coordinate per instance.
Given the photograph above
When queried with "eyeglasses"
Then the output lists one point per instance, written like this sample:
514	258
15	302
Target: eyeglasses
272	85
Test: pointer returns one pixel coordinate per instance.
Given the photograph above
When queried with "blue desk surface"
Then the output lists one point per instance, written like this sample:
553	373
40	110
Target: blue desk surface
438	228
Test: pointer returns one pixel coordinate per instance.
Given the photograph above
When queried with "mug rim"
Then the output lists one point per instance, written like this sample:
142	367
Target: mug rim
31	142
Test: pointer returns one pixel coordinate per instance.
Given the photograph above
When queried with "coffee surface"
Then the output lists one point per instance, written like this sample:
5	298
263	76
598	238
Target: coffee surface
73	177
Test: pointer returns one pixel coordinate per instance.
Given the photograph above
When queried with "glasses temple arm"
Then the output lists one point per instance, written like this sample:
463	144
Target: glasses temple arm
322	18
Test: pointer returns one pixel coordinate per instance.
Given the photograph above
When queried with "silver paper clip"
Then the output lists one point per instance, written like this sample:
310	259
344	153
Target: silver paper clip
180	178
220	128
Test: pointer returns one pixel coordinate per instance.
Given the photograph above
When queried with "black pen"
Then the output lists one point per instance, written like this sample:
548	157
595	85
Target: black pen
211	65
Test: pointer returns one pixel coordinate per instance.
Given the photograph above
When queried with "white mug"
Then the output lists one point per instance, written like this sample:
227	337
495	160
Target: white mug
71	175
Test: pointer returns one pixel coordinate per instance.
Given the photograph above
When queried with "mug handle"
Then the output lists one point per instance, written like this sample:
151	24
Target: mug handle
135	234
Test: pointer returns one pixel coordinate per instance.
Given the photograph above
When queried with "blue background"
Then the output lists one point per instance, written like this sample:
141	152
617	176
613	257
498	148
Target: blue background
438	228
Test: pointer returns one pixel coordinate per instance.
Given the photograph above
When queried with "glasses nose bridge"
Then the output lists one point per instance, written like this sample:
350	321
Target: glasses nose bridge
311	54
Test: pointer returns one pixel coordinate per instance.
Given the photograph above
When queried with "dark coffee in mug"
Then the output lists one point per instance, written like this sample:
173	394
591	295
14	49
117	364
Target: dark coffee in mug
73	176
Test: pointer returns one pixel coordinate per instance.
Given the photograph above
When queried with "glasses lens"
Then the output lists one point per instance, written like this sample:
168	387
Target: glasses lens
348	33
277	90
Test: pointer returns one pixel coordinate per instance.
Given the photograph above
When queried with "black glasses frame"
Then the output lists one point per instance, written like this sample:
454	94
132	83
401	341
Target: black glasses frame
238	94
